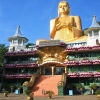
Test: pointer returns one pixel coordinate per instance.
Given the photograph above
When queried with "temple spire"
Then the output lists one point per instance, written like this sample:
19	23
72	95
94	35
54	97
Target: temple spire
18	32
17	41
94	23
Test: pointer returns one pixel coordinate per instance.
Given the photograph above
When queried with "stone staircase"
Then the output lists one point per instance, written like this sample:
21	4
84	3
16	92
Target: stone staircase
46	82
87	90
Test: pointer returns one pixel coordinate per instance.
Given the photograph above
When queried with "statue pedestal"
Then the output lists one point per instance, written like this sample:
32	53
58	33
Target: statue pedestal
60	90
24	88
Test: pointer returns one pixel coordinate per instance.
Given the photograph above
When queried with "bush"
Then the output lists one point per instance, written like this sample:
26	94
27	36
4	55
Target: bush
11	86
93	86
85	58
28	92
6	93
98	57
79	86
97	92
49	93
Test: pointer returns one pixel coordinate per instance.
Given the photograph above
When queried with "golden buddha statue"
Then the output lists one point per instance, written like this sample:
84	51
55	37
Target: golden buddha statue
65	27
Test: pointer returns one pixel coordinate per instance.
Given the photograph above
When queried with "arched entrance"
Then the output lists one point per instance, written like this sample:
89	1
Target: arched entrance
52	69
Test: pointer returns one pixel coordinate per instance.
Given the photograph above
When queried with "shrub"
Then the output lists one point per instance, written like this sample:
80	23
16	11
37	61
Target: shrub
79	86
11	86
98	57
97	92
28	92
85	58
49	93
93	86
6	93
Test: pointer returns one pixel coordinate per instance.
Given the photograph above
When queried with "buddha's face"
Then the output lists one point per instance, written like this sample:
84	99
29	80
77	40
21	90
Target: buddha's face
63	8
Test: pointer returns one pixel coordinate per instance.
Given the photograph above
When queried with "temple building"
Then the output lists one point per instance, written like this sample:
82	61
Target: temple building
57	64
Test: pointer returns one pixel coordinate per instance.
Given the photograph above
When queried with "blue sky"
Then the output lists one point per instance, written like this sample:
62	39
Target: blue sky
34	16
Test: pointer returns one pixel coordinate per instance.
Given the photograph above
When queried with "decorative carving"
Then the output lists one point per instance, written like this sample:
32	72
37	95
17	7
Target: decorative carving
61	83
52	53
31	82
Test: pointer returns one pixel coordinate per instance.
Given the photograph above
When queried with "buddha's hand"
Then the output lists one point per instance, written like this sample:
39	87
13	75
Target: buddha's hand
69	25
57	23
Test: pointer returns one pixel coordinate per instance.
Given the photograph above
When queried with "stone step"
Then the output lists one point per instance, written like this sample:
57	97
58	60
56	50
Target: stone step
46	82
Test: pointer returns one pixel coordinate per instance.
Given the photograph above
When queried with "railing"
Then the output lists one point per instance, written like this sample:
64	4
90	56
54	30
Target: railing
22	62
85	62
17	76
82	62
84	48
21	65
71	63
20	53
84	74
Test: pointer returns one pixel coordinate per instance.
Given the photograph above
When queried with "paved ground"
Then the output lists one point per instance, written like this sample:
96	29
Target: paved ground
23	97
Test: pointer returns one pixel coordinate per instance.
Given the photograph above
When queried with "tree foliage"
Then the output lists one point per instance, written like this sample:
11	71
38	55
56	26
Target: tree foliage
29	44
3	50
99	23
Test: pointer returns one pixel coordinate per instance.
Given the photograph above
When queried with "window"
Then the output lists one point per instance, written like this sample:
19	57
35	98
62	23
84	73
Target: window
84	54
19	41
90	34
96	33
33	58
15	41
24	71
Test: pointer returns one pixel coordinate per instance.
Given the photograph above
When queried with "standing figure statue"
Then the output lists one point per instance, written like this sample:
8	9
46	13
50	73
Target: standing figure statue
65	27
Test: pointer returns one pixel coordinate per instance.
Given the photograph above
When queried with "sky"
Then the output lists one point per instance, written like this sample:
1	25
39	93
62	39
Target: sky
34	17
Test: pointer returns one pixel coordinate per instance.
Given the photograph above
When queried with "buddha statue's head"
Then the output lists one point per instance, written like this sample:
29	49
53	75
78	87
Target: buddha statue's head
63	8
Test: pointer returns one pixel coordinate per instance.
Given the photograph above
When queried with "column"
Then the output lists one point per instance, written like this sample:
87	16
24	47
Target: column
12	42
40	70
17	42
65	69
92	34
22	42
52	69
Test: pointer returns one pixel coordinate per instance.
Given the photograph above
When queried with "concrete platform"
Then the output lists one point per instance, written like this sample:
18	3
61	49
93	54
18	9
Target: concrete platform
23	97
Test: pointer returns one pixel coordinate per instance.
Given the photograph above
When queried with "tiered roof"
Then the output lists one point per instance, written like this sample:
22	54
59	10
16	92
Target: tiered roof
17	34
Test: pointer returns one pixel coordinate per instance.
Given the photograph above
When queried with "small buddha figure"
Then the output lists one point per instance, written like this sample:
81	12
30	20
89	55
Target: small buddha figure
65	27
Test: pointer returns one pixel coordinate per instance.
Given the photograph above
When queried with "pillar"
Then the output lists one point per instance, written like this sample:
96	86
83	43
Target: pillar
65	69
52	69
40	70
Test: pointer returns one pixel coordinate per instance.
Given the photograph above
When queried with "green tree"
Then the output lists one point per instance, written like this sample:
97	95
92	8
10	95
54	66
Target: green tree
3	50
29	44
85	29
99	23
